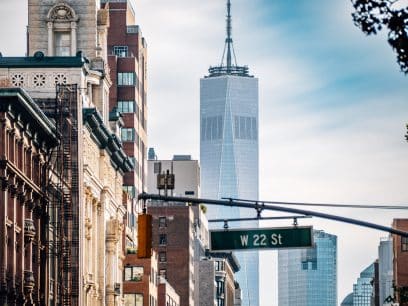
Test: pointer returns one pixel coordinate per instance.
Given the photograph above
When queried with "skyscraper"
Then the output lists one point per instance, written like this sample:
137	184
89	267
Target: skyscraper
229	148
385	267
308	277
363	288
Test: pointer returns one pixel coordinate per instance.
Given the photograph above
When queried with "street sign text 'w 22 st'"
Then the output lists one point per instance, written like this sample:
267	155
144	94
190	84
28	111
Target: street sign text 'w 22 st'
262	238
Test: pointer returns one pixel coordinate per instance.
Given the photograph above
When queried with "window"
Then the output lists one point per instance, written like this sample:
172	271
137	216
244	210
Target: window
133	160
162	239
162	257
162	222
212	128
120	51
219	266
126	106
126	78
404	244
163	273
134	274
220	287
130	190
62	44
133	299
245	128
157	168
127	134
131	219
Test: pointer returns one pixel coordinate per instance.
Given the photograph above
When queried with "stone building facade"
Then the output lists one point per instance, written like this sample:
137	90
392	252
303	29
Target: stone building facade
67	44
26	137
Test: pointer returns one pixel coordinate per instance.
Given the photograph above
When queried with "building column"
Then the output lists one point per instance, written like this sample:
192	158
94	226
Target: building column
3	209
19	223
29	235
73	38
50	26
94	245
3	237
101	263
12	256
111	242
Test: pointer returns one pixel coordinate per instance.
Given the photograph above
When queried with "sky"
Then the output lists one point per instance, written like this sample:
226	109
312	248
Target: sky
333	107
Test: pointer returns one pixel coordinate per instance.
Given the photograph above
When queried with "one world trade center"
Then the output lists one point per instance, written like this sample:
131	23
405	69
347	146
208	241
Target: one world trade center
229	150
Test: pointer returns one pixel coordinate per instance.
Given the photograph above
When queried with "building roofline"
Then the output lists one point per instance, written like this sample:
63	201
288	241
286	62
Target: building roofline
29	112
106	140
232	259
39	60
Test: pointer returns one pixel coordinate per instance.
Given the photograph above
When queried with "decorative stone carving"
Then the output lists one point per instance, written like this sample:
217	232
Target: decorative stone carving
60	79
29	280
39	80
29	230
88	226
61	12
29	283
18	79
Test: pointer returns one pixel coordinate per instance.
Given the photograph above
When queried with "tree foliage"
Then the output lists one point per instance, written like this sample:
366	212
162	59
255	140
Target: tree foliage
371	16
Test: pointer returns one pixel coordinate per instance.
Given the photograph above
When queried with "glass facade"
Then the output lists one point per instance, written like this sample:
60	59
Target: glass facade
363	289
229	159
308	277
385	267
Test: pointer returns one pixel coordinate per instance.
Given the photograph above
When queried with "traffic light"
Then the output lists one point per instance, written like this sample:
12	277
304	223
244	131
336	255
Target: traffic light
144	236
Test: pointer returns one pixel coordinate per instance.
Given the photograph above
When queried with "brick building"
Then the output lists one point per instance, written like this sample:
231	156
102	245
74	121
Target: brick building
167	296
141	280
26	136
400	263
219	268
127	58
173	240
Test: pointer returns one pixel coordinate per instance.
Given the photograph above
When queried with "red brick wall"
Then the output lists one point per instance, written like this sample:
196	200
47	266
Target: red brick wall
141	286
400	257
177	249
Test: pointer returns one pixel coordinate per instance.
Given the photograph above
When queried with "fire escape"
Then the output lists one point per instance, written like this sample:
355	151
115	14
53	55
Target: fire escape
63	197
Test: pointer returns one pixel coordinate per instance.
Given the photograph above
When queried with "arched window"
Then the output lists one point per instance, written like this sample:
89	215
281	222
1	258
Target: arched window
62	25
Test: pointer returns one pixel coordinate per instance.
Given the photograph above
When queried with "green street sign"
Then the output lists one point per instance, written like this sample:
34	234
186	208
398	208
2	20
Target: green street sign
262	238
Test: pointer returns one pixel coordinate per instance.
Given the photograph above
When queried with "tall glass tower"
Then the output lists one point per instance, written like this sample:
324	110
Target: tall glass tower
308	277
229	149
363	289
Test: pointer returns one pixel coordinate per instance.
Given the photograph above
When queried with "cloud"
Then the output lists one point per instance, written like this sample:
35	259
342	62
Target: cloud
12	28
333	106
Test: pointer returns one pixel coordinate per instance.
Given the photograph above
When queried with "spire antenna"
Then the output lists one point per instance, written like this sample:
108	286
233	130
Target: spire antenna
230	66
228	40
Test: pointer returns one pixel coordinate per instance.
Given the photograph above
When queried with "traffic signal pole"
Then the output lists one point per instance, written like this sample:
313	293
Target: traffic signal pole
259	206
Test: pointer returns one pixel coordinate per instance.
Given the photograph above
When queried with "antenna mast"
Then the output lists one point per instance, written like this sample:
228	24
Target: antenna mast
228	40
230	66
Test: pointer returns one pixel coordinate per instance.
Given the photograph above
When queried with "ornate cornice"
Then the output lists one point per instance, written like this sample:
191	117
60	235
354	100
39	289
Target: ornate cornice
19	106
106	140
41	61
